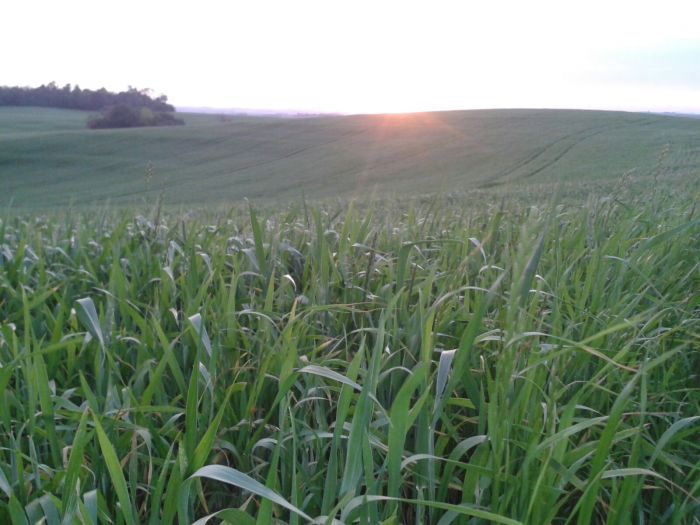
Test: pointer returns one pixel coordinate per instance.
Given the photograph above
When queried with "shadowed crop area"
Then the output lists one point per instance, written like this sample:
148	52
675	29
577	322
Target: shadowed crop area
506	355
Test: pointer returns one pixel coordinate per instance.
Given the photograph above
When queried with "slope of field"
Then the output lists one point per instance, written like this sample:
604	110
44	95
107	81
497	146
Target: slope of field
47	158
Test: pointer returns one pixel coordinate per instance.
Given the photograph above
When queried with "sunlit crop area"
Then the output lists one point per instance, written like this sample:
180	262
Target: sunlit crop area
48	158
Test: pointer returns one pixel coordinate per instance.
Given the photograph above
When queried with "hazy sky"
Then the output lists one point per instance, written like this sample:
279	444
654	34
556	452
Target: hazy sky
365	56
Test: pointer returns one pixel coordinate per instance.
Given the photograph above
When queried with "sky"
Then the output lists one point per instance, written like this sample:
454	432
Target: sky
364	56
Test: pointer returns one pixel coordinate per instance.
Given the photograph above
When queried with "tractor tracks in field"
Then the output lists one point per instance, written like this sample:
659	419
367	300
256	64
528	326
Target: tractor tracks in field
570	141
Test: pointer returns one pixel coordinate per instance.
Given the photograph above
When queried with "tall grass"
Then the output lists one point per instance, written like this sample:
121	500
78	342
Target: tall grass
446	362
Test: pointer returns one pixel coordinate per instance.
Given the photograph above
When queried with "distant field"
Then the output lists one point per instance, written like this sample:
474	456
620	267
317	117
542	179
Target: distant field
48	158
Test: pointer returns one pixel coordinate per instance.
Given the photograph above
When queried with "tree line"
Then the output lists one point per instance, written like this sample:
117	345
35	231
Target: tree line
126	109
67	97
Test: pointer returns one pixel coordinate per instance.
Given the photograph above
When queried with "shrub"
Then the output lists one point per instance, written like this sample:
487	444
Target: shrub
123	116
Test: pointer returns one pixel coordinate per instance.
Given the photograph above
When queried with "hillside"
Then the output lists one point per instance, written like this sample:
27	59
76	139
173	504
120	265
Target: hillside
47	158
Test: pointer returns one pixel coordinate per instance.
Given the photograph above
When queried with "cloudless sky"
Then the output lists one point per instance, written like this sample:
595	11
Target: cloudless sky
364	56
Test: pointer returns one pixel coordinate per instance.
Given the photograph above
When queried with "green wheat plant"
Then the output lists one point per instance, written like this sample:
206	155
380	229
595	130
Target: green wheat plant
508	359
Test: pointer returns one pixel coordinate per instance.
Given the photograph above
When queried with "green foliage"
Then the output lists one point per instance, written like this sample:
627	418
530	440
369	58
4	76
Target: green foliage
498	358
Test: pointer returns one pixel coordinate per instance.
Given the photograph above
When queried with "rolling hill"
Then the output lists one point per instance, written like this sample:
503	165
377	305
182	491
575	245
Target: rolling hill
48	158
